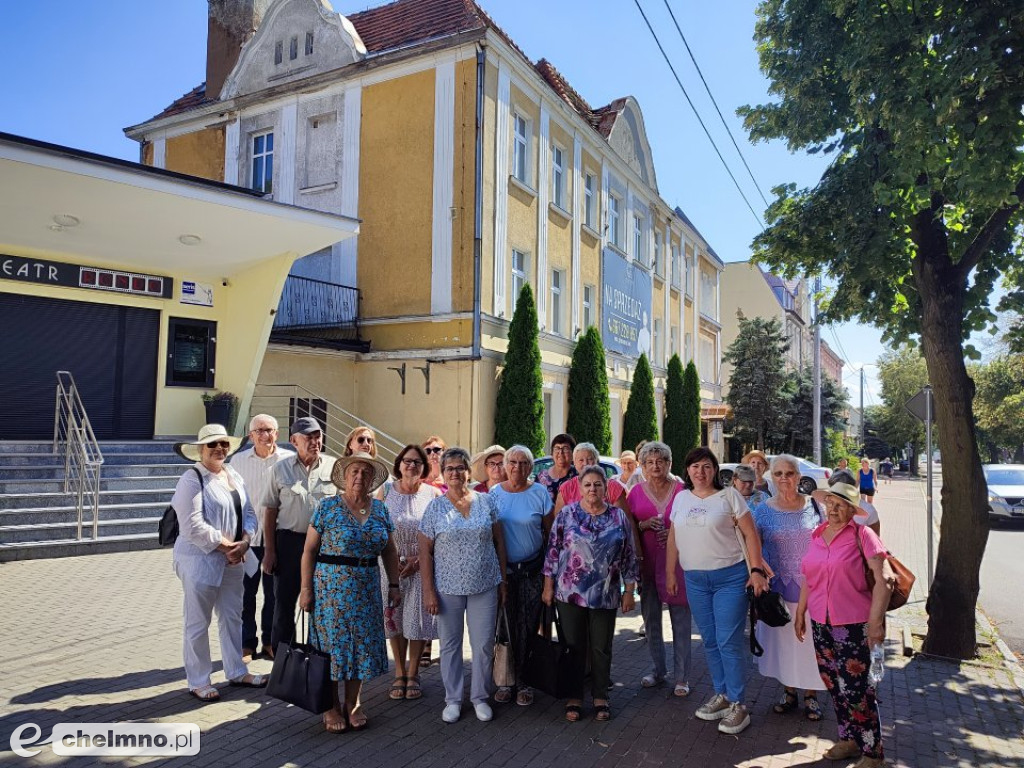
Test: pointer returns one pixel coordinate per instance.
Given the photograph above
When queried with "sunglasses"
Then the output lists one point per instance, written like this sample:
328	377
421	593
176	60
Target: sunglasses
435	449
365	439
219	444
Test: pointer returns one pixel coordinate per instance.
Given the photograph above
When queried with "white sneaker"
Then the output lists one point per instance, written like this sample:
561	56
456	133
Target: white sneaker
736	719
714	708
451	713
483	711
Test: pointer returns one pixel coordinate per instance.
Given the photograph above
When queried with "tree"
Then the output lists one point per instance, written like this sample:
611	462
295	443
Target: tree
589	413
999	406
919	107
799	428
681	428
519	416
757	380
641	420
902	372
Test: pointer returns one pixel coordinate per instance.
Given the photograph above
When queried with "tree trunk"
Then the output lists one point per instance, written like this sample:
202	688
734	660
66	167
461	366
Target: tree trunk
964	529
912	465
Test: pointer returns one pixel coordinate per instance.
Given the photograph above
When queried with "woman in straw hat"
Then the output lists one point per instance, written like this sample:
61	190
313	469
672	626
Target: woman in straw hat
847	619
211	556
488	468
341	582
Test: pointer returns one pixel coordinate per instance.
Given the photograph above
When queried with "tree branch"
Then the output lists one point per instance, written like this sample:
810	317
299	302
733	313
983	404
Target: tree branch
995	224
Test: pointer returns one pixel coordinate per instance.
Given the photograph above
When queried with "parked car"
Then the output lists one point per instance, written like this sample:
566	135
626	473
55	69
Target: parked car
607	464
904	465
811	475
1005	491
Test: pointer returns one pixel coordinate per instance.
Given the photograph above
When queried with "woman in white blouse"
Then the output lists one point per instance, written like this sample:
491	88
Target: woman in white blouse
211	556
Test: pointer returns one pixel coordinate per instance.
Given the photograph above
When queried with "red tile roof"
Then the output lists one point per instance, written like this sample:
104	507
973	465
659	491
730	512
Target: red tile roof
191	100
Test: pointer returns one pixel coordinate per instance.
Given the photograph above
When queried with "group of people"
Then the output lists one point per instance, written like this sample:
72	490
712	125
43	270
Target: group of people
441	540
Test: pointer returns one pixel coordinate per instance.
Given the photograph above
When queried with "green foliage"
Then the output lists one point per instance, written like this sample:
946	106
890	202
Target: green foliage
838	446
799	429
999	405
519	414
902	372
589	417
641	419
757	382
681	429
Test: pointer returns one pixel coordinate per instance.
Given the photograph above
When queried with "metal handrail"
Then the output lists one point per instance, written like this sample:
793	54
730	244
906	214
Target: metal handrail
279	400
74	438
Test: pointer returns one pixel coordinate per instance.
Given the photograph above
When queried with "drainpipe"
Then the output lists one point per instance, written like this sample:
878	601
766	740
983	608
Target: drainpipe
478	194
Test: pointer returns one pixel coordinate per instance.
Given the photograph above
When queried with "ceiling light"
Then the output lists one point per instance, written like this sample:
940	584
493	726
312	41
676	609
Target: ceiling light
66	220
190	239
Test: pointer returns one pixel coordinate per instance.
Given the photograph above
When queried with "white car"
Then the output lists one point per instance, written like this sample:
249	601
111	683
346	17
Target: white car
811	475
1005	491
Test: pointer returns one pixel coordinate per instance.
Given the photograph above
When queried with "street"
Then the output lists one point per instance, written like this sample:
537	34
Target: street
1001	568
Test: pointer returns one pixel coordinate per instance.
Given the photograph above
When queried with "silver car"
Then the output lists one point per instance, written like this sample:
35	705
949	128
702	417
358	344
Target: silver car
1005	491
811	475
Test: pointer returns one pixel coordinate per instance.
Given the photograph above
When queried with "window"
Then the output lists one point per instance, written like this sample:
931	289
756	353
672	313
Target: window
659	260
656	346
588	200
614	227
293	48
558	177
689	272
676	266
309	43
278	52
639	252
673	341
709	294
557	281
688	348
521	149
588	307
706	362
192	346
518	274
263	162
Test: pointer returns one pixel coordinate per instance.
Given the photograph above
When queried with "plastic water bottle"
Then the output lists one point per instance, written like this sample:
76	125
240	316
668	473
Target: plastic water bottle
877	670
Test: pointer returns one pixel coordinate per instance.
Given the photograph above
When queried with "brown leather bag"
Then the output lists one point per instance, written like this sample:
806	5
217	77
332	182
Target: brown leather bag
904	577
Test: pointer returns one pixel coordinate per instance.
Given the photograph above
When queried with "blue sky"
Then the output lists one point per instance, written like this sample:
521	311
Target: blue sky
79	73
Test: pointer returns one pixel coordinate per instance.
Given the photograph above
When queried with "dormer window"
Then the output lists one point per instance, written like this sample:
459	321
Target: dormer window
309	43
278	52
293	48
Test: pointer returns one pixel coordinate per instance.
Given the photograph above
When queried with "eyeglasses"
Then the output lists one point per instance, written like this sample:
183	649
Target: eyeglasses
494	464
365	439
653	462
435	449
456	468
412	463
523	463
784	473
561	449
263	430
219	444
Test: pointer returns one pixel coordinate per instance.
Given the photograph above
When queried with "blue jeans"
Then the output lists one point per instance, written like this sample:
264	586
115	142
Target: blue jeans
718	601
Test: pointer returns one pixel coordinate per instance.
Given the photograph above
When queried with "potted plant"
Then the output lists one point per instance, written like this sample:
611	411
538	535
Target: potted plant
221	408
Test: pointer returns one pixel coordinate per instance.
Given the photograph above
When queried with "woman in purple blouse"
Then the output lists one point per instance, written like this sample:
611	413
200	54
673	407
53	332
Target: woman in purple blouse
590	557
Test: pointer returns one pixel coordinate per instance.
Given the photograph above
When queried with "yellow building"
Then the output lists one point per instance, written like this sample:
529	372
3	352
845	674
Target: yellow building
149	287
472	170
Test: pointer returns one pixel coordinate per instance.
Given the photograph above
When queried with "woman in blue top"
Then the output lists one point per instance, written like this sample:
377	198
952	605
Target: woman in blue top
525	511
462	565
868	484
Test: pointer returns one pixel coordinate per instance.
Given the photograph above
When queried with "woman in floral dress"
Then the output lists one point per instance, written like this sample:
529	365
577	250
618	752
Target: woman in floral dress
341	586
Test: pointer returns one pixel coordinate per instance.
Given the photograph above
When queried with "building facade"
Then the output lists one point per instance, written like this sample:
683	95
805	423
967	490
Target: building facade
473	171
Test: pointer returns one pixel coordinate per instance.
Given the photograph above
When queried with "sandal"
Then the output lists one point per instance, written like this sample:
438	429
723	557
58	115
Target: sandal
397	689
205	693
602	712
524	697
412	688
651	680
335	726
682	690
573	712
357	720
503	695
786	704
251	681
812	709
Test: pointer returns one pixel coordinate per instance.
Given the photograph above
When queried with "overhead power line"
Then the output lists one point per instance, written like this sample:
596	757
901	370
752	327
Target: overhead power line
695	112
713	101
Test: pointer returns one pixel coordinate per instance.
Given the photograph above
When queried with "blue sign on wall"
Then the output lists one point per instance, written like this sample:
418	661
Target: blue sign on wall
625	306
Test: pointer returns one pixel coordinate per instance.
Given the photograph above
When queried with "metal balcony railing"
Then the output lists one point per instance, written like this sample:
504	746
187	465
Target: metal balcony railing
318	306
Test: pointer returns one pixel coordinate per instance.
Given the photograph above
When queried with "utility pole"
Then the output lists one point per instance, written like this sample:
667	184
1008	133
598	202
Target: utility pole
816	431
863	431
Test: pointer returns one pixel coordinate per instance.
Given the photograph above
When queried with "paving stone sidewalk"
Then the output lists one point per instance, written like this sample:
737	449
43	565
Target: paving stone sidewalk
98	639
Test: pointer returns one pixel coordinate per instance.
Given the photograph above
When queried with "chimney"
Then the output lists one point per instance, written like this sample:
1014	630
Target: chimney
232	23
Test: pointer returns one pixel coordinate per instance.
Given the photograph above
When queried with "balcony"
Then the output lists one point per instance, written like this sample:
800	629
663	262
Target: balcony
319	313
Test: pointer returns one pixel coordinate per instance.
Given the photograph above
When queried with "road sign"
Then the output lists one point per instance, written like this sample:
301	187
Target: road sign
918	404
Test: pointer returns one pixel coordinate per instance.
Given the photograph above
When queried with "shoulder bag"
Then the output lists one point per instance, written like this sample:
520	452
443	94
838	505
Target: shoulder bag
904	578
167	530
302	673
504	668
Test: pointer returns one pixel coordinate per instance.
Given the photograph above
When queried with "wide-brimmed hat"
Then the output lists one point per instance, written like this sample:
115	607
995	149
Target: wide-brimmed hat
209	433
625	455
477	470
846	492
381	471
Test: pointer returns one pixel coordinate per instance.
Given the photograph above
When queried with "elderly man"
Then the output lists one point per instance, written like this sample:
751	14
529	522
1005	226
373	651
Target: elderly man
298	484
743	479
256	466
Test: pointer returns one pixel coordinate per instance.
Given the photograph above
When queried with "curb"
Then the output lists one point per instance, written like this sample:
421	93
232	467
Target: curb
1010	661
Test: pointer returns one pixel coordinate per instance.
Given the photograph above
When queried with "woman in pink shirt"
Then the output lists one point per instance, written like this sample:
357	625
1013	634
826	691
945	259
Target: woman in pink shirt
846	619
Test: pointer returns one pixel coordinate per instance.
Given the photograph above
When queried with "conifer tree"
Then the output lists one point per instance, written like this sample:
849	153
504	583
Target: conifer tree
641	420
519	416
589	412
681	430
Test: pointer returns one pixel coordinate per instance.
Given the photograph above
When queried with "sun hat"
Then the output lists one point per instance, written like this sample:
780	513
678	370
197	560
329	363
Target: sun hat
208	433
306	425
845	491
744	473
625	455
381	471
477	470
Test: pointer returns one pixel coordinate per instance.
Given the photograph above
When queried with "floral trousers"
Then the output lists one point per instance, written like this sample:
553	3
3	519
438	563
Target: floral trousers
843	658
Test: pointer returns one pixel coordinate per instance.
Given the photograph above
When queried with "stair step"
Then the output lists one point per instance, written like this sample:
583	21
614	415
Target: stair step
50	515
35	550
30	446
10	501
109	459
52	471
17	534
56	484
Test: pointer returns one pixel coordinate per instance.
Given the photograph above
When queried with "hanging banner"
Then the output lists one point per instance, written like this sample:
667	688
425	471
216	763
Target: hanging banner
625	306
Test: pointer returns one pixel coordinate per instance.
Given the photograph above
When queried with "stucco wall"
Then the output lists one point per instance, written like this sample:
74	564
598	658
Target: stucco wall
200	153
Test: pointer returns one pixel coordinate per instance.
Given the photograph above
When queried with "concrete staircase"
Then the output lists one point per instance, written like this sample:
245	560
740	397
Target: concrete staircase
39	520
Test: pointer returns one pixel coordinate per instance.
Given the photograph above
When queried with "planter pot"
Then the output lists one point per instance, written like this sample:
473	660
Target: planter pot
219	412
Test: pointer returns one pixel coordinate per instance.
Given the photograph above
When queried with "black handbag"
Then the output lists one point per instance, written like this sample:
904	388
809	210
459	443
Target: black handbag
167	531
768	608
302	675
553	666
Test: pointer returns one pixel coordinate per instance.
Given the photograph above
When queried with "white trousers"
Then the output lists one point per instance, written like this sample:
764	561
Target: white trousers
480	612
200	602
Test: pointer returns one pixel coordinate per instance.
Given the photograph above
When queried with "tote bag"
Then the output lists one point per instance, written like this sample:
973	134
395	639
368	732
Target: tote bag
302	675
552	665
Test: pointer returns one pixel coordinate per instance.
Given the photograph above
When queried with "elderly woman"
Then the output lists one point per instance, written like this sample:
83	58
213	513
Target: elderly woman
341	582
743	479
215	522
585	455
847	619
462	559
649	504
870	516
407	625
703	539
591	570
360	440
561	469
759	463
630	474
525	513
434	446
488	468
785	522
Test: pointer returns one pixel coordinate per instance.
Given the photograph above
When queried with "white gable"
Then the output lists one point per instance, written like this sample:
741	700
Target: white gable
629	140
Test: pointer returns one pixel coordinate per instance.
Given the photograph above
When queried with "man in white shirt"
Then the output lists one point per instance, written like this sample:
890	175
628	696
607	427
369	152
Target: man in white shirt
256	466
